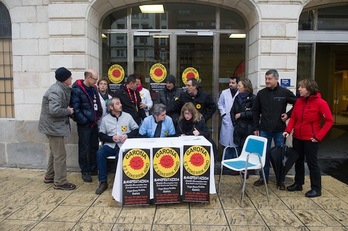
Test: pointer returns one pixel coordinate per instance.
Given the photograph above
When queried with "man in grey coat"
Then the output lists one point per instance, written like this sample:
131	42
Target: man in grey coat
54	123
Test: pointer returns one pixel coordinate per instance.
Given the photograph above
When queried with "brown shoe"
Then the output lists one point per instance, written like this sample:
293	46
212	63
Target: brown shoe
48	180
102	187
259	182
66	186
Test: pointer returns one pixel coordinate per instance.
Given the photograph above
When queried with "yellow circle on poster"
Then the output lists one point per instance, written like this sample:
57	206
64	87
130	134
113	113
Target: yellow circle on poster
196	160
189	73
158	73
116	73
166	162
136	163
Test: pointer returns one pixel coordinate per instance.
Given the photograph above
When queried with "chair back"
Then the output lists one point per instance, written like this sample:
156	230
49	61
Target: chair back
256	145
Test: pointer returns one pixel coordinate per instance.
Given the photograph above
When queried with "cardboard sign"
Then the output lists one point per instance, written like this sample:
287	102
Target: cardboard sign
136	177
166	175
196	173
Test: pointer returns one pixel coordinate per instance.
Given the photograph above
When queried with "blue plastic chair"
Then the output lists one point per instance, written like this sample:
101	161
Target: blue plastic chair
252	157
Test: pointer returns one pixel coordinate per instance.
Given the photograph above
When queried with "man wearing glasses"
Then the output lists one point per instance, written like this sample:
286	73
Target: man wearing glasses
87	111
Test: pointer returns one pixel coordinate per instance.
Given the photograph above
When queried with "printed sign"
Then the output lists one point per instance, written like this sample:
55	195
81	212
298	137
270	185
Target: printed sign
196	173
136	177
285	82
189	73
116	73
166	175
158	73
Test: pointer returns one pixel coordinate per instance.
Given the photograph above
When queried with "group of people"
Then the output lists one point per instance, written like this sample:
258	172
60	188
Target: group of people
110	118
264	114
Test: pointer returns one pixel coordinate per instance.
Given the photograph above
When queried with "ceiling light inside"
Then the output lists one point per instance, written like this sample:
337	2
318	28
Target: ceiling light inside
237	35
146	9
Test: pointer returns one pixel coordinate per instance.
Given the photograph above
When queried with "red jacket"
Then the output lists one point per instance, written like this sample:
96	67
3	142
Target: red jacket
307	117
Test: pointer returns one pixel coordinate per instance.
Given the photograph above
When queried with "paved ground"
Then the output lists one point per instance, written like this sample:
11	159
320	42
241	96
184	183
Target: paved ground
26	203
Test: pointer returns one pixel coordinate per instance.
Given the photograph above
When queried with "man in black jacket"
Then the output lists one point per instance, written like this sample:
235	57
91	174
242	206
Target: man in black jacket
130	99
269	116
87	111
203	102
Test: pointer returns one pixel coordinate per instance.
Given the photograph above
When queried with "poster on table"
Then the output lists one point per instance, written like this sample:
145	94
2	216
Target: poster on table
166	175
136	177
196	173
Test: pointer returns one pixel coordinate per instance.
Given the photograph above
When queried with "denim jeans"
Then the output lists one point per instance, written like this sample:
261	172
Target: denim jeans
278	139
88	146
102	155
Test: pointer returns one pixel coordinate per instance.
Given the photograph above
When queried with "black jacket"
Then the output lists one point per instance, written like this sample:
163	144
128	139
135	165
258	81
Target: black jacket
128	105
168	97
185	127
83	104
203	102
269	105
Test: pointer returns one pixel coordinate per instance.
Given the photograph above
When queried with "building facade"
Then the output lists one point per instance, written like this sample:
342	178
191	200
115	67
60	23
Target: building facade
299	38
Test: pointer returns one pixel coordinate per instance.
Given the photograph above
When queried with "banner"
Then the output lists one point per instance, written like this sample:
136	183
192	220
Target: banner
136	177
166	175
196	174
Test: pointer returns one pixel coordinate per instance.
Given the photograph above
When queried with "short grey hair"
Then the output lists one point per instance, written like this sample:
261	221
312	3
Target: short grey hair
158	109
273	72
111	103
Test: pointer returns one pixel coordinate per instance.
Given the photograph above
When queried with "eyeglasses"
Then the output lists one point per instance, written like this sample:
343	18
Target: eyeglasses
95	79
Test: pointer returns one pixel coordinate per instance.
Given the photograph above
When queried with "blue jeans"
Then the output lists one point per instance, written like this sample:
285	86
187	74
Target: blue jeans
88	146
278	139
102	155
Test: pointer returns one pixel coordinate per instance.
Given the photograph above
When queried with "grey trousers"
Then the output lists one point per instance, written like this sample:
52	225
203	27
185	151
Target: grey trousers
56	167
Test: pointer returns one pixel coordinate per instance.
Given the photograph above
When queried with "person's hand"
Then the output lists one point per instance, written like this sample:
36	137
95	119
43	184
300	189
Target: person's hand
257	133
71	110
196	132
237	116
285	134
143	106
314	140
123	138
284	117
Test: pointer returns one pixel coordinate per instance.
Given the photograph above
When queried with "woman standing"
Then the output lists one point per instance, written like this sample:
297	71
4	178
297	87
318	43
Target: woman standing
310	120
241	114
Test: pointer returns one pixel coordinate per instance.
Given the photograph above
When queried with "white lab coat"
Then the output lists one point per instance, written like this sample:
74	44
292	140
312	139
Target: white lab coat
225	104
146	99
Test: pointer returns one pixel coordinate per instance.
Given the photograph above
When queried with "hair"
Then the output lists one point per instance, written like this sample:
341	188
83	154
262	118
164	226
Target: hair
247	84
273	72
87	74
103	79
194	82
140	77
236	78
310	85
111	102
196	115
132	78
158	109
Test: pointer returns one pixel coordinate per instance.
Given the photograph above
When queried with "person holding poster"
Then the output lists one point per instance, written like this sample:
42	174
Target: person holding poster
114	129
158	124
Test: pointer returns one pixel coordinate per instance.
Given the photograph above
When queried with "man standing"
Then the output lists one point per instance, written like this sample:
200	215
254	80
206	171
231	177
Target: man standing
225	103
269	116
168	96
54	122
87	111
203	102
130	99
114	129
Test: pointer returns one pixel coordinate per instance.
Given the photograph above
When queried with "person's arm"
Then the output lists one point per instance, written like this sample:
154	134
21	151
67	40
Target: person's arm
202	127
221	105
210	108
291	99
134	129
75	102
327	117
54	105
256	111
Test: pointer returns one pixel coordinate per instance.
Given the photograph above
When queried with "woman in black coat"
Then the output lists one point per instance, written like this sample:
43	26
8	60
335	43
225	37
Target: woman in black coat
241	113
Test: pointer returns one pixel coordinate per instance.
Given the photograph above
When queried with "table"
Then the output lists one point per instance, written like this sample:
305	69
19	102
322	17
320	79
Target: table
150	143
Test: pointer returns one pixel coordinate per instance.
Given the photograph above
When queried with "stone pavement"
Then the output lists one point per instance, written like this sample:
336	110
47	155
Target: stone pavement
26	203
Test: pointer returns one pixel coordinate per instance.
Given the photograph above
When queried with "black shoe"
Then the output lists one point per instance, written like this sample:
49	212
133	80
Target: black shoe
313	193
259	182
102	187
66	186
294	187
281	186
86	177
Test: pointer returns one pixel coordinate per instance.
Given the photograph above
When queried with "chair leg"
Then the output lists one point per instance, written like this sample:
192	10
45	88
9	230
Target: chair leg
265	182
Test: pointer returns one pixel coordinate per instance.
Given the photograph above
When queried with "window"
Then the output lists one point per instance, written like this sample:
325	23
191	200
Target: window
6	74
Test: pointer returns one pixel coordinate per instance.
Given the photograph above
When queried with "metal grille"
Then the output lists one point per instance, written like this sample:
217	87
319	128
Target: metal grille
6	64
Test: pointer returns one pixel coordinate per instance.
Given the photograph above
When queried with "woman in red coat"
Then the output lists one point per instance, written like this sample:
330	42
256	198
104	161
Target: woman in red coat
310	121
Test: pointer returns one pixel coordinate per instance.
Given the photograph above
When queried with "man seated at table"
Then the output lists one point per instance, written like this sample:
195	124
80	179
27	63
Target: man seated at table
158	124
114	129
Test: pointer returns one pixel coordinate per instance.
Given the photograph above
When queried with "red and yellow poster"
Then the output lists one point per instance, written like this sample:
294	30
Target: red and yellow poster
116	73
189	73
196	173
136	177
166	175
158	73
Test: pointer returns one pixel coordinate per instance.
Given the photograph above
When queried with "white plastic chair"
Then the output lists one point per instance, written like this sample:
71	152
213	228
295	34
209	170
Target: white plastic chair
253	157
